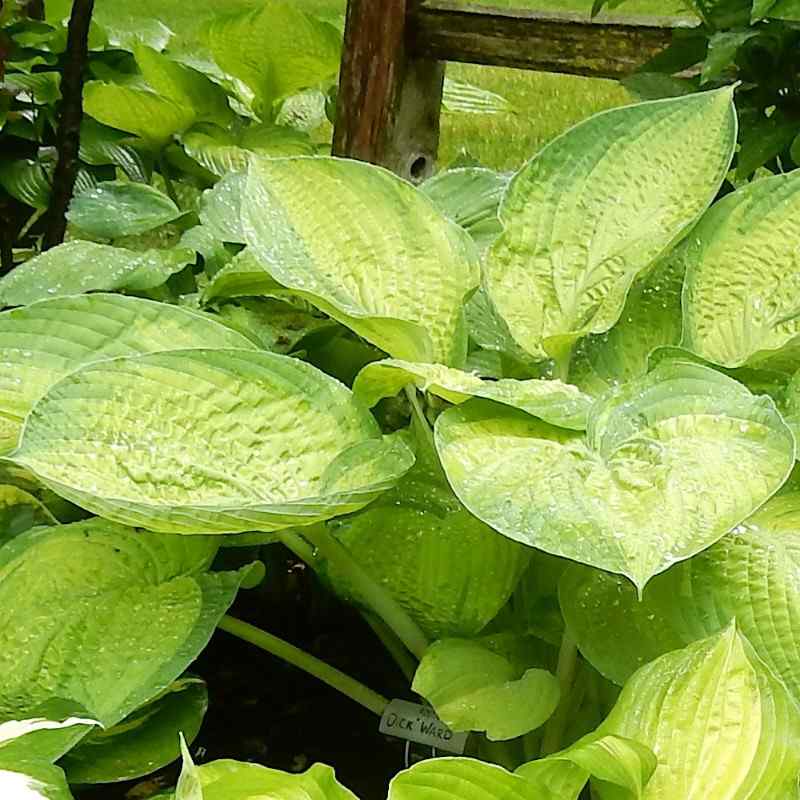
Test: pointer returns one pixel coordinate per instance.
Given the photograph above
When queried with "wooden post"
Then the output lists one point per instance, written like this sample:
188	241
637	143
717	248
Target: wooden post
389	99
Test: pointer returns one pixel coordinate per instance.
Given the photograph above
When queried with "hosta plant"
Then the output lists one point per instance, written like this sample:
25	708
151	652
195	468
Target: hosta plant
539	431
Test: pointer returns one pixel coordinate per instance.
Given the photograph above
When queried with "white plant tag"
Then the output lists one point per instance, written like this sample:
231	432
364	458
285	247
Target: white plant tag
418	723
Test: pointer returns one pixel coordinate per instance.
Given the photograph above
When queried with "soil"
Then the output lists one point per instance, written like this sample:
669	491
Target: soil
265	711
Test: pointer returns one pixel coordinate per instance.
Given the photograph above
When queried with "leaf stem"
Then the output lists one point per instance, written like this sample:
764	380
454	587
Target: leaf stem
561	364
379	600
422	421
396	649
565	672
299	546
163	168
343	683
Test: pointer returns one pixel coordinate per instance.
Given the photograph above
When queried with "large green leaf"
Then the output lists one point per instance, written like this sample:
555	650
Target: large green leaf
154	118
462	779
469	196
275	50
670	463
651	319
221	208
121	208
43	342
473	688
719	722
751	575
58	509
621	766
742	293
791	405
103	615
243	276
20	511
489	332
78	267
28	181
235	780
212	441
144	741
553	401
368	249
450	571
222	152
32	780
276	325
183	85
102	145
596	207
31	738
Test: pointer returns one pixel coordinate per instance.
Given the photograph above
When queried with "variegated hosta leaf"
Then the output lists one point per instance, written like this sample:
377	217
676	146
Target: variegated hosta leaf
621	766
20	478
78	267
101	145
489	332
669	464
276	325
236	780
772	381
651	319
751	575
28	180
20	511
32	780
121	208
447	569
721	725
275	50
553	401
462	779
144	741
220	152
154	118
470	196
214	252
304	111
366	248
43	342
243	276
599	205
791	405
742	294
103	615
183	85
473	688
40	735
221	208
210	441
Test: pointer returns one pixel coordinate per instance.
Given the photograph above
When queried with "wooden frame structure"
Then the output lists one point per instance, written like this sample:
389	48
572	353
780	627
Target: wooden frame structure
392	73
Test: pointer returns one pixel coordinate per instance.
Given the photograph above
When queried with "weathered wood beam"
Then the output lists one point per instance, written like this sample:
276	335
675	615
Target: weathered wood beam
550	42
389	98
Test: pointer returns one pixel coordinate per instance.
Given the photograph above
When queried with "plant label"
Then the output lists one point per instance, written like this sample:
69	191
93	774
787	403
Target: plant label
419	723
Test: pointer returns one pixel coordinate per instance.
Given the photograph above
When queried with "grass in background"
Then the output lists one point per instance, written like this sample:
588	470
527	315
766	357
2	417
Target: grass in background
545	105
